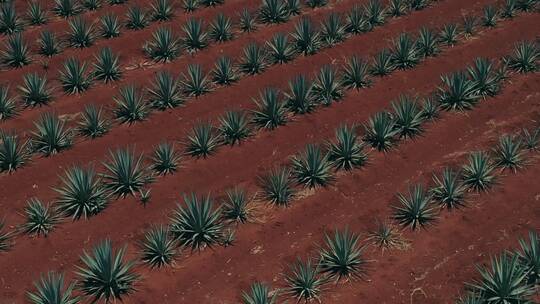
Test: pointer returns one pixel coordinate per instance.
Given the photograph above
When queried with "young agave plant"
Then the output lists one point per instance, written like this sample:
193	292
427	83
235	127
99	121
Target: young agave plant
10	22
82	34
195	38
105	274
115	2
234	127
92	5
311	167
381	131
82	193
8	108
526	5
110	26
524	58
356	73
509	153
458	92
294	7
274	11
221	28
40	219
490	16
164	45
107	65
16	53
271	111
342	258
75	77
327	86
224	72
419	4
333	30
306	38
166	92
448	190
50	289
427	43
397	8
509	9
259	293
67	8
387	236
158	248
248	22
405	54
316	3
203	141
469	25
408	116
137	18
51	135
278	186
357	22
212	3
415	210
304	281
49	44
280	49
197	224
300	98
478	173
346	152
449	34
162	10
126	173
93	124
190	6
430	109
531	139
529	257
382	63
255	59
194	82
35	90
485	77
5	238
375	12
14	152
130	105
236	207
36	14
165	159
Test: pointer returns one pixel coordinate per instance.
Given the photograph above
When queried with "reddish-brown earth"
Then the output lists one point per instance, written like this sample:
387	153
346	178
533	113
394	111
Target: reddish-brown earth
432	270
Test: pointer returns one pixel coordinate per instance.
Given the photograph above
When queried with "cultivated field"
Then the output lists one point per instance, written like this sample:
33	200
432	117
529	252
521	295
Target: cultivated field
270	151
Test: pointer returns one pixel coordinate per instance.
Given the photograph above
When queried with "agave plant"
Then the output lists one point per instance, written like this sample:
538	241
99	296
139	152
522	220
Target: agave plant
478	173
203	141
162	10
277	186
531	139
509	153
40	219
190	6
470	298
50	289
300	98
306	38
194	82
130	105
383	63
16	53
346	152
255	59
356	73
271	111
312	167
386	236
115	2
397	8
304	281
274	11
107	66
430	109
380	131
197	224
110	26
82	193
280	49
526	5
165	158
8	108
316	3
195	38
75	78
164	45
327	86
224	72
490	16
10	22
234	127
221	28
469	24
449	34
145	196
415	209
212	2
294	7
82	33
408	116
248	22
448	190
524	58
35	90
166	92
236	206
137	18
67	8
5	238
405	54
126	173
333	30
342	256
508	9
158	248
51	135
36	14
427	44
357	22
92	5
259	293
49	44
529	257
105	274
14	152
458	92
375	12
93	123
484	77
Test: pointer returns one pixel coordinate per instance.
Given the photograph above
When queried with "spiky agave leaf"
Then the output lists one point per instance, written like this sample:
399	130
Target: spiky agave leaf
14	152
110	26
271	110
92	5
259	293
311	167
375	13
166	91
248	21
357	22
164	45
75	78
197	224
82	33
529	257
165	158
158	248
387	236
5	237
82	193
346	152
408	116
477	174
415	209
531	139
405	53
49	44
10	22
485	77
190	6
457	92
236	206
93	122
469	24
448	190
137	18
449	34
274	11
306	37
130	105
490	16
380	131
50	290
333	30
8	107
327	86
221	28
202	141
51	135
254	60
234	127
107	65
509	153
383	63
67	8
300	98
126	172
428	42
304	281
195	38
36	14
40	219
341	258
356	73
430	108
524	58
277	186
280	49
224	72
105	275
16	53
316	3
194	82
397	8
162	10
